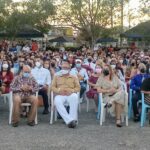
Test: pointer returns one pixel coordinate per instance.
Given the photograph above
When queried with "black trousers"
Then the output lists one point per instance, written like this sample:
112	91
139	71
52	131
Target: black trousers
44	95
135	98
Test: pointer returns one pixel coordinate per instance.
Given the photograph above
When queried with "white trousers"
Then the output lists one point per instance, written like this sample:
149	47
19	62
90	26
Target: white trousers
71	101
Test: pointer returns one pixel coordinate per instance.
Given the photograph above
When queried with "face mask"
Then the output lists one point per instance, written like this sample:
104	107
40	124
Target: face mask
46	66
121	61
64	57
26	75
106	72
16	65
85	60
95	58
64	72
57	59
132	64
142	70
38	64
5	66
78	65
53	65
113	66
89	60
98	70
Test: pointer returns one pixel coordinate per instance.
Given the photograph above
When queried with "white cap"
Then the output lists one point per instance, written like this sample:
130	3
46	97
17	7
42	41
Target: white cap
78	60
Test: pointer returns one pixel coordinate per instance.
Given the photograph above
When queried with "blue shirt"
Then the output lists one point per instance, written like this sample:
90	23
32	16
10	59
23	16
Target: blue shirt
137	80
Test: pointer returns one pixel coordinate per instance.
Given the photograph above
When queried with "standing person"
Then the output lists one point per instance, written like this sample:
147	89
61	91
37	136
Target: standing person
24	88
66	87
34	46
43	78
26	48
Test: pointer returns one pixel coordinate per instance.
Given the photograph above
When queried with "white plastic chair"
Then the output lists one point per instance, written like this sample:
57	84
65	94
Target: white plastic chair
54	110
23	105
6	96
103	112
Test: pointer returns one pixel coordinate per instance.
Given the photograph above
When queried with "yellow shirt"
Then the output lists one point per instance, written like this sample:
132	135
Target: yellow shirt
68	83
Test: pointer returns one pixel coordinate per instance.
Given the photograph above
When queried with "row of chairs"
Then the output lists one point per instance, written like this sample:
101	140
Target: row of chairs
143	104
101	108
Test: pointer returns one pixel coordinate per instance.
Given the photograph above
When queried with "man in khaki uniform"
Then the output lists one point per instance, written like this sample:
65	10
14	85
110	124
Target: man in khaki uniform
66	86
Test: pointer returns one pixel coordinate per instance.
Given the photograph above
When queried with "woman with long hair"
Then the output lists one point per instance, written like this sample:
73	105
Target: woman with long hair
113	95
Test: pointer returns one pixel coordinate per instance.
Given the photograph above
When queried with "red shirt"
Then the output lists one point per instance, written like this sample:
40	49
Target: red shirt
34	47
6	80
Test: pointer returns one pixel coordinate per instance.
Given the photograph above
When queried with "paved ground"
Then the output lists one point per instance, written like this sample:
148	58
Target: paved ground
87	136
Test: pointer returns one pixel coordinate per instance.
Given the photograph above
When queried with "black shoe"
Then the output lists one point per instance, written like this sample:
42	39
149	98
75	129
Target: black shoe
118	123
108	105
45	111
137	119
32	123
16	124
72	124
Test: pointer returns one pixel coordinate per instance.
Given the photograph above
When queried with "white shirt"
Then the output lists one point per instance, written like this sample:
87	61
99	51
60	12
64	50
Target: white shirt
82	72
26	49
41	75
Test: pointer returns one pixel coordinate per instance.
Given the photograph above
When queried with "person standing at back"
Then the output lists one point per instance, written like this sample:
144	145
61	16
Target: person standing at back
43	78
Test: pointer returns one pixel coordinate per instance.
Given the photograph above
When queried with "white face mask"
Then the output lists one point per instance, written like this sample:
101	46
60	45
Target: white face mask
121	61
5	66
38	64
113	66
64	72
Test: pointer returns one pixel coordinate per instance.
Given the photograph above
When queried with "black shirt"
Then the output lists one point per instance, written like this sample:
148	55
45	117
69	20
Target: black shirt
146	85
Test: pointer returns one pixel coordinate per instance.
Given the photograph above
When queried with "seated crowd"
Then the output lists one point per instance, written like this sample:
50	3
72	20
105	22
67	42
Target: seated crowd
69	74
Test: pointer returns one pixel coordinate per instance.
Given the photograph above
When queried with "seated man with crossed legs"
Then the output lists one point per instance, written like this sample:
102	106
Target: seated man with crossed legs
66	86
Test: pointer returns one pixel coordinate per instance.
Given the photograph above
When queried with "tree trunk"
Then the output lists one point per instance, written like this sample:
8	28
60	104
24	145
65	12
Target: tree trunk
122	17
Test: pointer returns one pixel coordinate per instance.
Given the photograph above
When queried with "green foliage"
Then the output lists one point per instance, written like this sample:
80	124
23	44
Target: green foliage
90	17
34	13
145	7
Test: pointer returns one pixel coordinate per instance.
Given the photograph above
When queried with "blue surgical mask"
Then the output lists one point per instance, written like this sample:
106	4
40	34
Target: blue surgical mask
63	72
78	65
26	75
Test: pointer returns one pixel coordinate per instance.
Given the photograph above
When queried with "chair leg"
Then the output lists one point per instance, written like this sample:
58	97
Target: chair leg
127	123
79	107
130	110
104	114
55	114
99	109
36	120
5	99
51	116
101	115
87	105
10	111
142	116
122	117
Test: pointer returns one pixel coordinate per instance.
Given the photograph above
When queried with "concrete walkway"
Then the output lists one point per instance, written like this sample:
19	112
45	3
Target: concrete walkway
87	136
